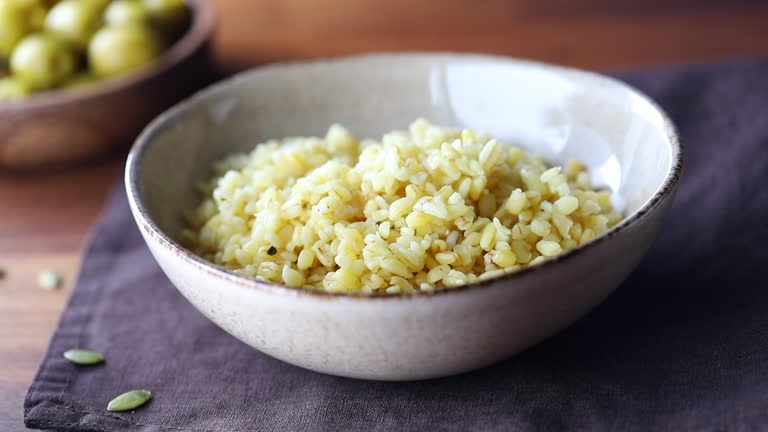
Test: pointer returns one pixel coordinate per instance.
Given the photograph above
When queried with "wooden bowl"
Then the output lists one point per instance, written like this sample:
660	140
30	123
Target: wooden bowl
63	127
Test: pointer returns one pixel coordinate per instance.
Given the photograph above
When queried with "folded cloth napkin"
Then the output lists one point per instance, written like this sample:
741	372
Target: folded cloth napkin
682	344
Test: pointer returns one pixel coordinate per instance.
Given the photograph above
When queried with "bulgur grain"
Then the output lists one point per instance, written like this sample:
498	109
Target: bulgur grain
421	209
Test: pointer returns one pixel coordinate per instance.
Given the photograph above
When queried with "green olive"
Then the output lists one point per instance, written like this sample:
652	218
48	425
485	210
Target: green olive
13	26
12	90
42	61
100	4
34	12
117	50
75	21
126	12
171	17
11	32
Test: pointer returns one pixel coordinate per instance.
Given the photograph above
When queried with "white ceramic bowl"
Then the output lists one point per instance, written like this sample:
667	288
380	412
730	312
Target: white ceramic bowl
627	142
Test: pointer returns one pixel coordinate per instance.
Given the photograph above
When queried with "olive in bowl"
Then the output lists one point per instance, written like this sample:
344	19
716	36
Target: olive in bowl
73	86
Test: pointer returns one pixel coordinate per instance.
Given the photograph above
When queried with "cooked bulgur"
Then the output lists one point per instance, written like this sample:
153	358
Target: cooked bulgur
421	209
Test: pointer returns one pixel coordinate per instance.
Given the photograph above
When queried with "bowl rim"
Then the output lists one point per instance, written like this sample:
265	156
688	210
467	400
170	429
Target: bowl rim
147	223
198	33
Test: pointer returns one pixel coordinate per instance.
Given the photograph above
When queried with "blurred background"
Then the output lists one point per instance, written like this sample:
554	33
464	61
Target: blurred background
598	34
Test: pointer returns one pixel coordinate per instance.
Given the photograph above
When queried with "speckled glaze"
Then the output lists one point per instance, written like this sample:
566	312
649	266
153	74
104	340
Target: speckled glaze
627	142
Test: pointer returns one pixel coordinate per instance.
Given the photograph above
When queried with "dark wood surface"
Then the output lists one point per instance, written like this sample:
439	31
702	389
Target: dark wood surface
45	217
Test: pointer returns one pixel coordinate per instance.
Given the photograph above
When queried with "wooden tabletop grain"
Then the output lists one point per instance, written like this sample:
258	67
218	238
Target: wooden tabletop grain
45	216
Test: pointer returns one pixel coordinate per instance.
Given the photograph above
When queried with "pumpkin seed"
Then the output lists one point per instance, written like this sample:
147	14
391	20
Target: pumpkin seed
49	280
129	400
83	356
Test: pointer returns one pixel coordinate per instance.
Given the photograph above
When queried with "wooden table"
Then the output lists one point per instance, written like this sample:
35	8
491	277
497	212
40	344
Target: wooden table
45	217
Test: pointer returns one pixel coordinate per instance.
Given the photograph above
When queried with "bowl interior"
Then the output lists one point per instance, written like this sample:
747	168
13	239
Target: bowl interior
620	135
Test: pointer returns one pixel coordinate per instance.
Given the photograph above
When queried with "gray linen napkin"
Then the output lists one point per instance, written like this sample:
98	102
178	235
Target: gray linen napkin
682	345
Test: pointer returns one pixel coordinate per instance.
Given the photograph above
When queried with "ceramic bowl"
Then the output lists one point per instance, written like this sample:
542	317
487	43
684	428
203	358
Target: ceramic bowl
61	127
626	141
